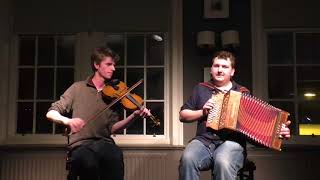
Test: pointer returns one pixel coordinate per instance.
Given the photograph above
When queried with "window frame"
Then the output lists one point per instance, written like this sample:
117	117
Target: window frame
165	139
295	139
175	136
131	139
12	136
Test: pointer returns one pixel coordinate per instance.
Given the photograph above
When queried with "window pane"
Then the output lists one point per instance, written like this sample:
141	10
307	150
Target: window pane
309	112
60	129
308	73
27	50
65	77
46	50
280	48
118	74
289	107
135	50
307	48
26	84
65	50
43	125
308	90
121	113
280	82
157	110
136	127
45	83
133	76
155	83
155	49
25	115
116	43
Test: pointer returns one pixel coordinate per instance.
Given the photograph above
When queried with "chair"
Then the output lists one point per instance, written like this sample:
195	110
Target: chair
247	172
70	175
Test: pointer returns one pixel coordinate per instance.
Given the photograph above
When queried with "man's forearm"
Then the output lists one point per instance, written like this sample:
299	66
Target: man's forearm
122	124
188	115
56	117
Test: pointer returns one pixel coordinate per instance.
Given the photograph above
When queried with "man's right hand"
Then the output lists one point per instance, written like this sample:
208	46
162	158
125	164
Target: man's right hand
75	124
207	107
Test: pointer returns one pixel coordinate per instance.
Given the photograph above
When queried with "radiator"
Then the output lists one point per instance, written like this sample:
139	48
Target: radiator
24	167
138	166
145	166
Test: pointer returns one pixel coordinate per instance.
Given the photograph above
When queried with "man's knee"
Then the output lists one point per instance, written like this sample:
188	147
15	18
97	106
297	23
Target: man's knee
188	157
222	163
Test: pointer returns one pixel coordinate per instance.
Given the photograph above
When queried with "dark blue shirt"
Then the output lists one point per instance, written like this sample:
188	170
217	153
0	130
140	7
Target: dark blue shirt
200	95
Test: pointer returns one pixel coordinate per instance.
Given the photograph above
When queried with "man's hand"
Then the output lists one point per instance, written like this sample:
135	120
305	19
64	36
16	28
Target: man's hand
143	112
285	131
75	124
207	107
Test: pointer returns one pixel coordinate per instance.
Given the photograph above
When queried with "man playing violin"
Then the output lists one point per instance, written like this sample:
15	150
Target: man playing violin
94	154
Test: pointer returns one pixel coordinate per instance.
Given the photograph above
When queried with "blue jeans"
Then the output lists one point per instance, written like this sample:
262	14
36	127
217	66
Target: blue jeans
225	160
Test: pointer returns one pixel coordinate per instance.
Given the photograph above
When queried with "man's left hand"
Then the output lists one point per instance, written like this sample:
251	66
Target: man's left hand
143	112
285	131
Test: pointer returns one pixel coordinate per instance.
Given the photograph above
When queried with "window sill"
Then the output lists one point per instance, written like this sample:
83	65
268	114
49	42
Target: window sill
36	147
51	142
302	141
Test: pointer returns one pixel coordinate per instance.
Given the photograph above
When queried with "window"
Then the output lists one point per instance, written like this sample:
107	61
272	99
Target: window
293	80
45	70
48	64
142	56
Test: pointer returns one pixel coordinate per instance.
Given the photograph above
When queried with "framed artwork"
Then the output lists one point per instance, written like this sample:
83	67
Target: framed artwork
216	8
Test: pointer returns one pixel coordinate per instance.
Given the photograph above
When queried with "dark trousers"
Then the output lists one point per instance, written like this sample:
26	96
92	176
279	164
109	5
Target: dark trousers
97	160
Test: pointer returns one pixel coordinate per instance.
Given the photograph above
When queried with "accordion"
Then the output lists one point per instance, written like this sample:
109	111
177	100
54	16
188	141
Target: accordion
248	115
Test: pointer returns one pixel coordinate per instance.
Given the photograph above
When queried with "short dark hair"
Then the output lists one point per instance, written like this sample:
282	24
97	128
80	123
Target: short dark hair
225	55
100	53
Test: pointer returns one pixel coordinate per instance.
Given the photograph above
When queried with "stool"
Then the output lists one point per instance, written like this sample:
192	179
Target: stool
247	171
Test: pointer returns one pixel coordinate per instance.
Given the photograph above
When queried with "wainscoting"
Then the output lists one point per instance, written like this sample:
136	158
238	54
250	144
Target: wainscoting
50	165
157	163
145	166
33	166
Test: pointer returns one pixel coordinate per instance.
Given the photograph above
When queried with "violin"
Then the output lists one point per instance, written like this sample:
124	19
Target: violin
119	91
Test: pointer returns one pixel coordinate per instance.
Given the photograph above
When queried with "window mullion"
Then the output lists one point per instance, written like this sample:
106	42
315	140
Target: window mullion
125	70
296	98
55	77
145	79
34	117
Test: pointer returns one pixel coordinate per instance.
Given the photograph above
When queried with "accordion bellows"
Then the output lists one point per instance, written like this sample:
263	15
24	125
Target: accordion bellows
252	117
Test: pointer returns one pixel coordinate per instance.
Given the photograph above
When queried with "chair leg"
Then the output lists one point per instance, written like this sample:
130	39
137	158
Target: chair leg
247	172
251	175
70	175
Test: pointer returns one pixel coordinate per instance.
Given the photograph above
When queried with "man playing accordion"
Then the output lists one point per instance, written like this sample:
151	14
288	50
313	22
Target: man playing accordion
222	151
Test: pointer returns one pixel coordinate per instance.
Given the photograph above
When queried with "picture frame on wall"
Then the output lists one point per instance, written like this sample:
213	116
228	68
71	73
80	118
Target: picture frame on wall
216	8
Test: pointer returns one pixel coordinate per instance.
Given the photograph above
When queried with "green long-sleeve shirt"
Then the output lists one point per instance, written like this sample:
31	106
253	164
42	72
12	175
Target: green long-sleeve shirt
85	102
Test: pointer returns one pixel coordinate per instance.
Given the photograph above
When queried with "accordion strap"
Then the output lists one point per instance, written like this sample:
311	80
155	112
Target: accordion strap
209	85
